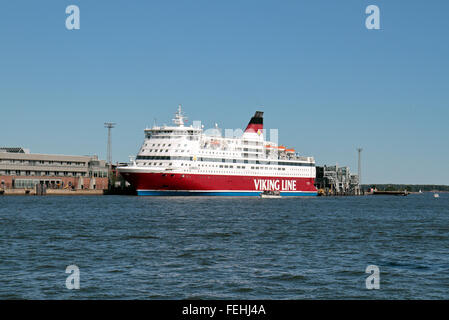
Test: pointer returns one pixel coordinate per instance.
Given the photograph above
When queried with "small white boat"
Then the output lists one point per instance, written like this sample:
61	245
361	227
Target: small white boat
436	195
270	194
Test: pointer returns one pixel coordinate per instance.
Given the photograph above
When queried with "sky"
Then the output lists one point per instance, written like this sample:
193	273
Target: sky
326	82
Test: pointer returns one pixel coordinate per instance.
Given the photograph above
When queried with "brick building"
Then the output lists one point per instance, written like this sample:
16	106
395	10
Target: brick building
20	169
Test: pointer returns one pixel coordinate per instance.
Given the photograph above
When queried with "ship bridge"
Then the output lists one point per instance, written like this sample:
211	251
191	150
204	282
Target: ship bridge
178	131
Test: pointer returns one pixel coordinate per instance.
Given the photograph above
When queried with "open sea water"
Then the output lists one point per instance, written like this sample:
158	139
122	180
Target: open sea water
224	248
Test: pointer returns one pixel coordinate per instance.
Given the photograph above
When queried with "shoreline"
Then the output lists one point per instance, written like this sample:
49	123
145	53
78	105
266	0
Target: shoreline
51	192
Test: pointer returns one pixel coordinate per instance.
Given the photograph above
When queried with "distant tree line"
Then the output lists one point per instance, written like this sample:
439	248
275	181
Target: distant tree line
408	187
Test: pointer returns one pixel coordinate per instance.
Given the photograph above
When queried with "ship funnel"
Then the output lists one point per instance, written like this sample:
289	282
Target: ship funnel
256	123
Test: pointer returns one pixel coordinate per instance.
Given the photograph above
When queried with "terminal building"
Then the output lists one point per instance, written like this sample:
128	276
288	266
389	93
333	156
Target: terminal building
20	169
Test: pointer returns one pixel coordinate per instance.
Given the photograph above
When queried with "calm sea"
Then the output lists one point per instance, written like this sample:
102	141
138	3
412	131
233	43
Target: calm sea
224	248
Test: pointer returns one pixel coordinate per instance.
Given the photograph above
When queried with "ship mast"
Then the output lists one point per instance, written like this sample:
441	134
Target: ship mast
179	117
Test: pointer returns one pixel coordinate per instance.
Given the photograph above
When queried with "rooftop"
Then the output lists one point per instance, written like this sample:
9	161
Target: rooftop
14	150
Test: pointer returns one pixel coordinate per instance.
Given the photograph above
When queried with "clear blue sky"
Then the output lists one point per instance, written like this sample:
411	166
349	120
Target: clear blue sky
323	79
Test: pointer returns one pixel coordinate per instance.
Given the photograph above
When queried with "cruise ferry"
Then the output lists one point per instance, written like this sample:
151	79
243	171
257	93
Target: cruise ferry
181	160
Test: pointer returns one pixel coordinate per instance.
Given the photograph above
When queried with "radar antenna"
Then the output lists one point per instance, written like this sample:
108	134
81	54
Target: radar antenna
179	117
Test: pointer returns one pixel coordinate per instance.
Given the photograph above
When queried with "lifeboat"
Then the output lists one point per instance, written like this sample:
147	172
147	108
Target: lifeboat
290	150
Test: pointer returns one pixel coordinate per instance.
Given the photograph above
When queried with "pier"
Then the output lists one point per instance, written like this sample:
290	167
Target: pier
391	193
54	192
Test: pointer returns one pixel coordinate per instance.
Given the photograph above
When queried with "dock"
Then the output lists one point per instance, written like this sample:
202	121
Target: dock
391	193
55	192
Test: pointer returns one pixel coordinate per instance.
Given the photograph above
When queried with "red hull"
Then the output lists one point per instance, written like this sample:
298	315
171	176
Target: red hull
218	183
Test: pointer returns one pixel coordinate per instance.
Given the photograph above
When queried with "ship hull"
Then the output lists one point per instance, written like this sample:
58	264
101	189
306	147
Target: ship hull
187	184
